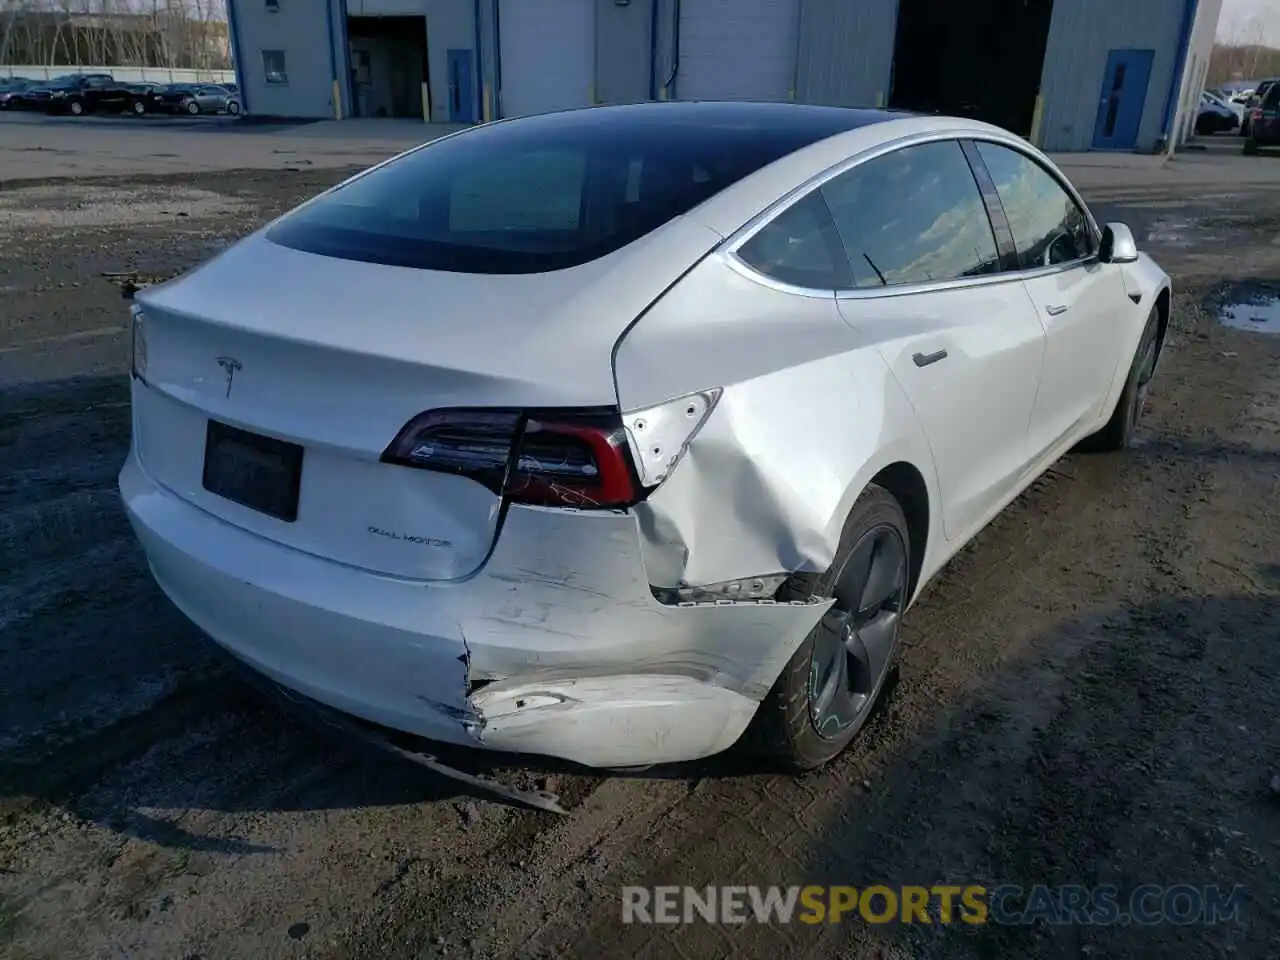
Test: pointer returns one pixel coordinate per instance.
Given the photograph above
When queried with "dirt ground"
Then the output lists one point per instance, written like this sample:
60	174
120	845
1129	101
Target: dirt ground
1088	694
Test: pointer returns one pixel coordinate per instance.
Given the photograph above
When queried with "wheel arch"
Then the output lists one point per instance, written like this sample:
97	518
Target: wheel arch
906	484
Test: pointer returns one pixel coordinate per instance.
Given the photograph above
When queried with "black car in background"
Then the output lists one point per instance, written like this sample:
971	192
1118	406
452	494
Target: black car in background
11	91
1264	122
193	99
88	93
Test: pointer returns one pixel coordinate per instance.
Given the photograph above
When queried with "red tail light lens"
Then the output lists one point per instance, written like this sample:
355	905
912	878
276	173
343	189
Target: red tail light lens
1255	116
571	458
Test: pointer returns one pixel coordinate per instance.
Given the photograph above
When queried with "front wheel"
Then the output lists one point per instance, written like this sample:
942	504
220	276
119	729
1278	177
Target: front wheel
76	108
192	107
1118	433
139	108
829	688
233	108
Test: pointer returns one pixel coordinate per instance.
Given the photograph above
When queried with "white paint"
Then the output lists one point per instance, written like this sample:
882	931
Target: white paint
547	55
737	49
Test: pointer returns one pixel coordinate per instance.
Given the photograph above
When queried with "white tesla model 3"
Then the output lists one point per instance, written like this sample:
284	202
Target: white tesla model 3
615	434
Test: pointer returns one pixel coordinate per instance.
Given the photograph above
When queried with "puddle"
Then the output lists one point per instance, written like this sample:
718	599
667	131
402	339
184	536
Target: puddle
1178	232
1255	308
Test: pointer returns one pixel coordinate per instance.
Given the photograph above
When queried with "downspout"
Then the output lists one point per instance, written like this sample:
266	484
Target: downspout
345	84
242	70
497	59
1189	10
479	84
653	49
333	62
668	86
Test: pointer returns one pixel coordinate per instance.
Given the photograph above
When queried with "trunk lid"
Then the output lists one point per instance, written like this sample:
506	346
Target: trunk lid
336	356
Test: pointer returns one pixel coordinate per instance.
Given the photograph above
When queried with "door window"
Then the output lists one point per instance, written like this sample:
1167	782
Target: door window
913	216
1048	226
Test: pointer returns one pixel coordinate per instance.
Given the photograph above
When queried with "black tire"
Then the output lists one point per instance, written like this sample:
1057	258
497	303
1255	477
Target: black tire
1250	147
1118	433
191	107
76	108
785	730
139	108
1206	126
233	108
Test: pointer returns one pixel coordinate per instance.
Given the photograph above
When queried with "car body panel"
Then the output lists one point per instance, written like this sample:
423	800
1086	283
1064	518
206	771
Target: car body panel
542	629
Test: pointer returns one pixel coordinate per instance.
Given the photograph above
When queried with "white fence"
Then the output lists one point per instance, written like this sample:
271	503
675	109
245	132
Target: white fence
125	74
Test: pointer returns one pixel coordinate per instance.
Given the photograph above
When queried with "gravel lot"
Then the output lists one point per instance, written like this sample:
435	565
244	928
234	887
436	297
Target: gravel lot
1088	695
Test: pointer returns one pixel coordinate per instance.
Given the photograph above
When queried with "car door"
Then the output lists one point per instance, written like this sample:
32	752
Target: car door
961	338
211	98
1080	302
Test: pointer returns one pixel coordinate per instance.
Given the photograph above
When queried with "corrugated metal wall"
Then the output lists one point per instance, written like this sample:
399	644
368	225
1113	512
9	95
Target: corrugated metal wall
846	51
1203	32
623	51
1081	35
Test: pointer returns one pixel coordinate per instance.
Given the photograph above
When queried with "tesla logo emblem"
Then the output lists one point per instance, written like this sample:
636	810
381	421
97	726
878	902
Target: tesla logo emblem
230	366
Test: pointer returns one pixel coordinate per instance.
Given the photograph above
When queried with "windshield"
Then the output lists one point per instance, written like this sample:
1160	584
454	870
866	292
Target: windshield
550	192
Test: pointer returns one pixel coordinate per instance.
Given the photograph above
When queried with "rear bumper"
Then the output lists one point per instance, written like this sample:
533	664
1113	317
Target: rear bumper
555	647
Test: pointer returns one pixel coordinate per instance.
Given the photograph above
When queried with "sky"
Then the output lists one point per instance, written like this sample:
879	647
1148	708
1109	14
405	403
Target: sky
1238	17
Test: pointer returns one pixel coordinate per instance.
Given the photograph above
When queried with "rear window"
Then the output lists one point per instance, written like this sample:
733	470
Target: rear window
1273	96
546	193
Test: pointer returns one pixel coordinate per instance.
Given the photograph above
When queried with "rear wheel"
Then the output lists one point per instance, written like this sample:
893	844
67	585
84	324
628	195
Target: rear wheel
76	108
192	107
1118	433
139	108
1250	147
828	689
233	108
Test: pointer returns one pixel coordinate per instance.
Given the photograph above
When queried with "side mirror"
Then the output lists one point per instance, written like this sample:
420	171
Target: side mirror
1118	245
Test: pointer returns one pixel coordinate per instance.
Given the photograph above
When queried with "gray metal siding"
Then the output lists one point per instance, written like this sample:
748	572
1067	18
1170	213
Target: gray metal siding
846	52
1081	35
623	51
301	30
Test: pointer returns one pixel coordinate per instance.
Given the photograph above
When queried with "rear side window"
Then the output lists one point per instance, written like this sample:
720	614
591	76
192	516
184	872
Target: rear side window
1048	226
533	195
913	216
1273	96
800	247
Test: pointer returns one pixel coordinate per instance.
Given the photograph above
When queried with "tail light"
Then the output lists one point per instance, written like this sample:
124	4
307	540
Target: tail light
591	458
552	458
1255	115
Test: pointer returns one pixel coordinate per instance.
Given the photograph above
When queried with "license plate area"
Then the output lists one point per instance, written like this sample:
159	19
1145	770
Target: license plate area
257	472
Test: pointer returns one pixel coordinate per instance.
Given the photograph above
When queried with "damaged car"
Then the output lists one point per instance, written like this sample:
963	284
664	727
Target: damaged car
618	435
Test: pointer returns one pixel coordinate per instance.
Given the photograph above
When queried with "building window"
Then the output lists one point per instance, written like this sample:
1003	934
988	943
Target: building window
273	66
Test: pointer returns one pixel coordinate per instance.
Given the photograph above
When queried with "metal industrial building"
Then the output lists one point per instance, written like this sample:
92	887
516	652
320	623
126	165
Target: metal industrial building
1068	74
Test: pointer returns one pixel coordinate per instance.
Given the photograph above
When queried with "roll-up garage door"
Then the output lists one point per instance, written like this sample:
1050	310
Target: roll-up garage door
737	49
546	54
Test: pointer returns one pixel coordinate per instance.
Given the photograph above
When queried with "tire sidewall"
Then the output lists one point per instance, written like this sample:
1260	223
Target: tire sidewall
805	747
192	107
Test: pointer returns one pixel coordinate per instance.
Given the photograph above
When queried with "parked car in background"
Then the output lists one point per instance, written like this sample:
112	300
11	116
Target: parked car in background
194	99
11	91
1254	101
139	94
89	93
1264	122
1216	115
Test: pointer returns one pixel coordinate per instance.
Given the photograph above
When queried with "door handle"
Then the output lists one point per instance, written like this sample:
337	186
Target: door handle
924	359
1057	309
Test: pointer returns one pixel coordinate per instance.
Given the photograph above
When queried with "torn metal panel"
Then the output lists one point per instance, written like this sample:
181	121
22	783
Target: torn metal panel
754	495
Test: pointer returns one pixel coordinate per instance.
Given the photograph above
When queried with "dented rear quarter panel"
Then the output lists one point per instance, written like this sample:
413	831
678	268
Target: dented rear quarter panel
809	413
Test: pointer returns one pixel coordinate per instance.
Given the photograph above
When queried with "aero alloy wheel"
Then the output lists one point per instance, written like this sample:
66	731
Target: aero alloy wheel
855	642
829	688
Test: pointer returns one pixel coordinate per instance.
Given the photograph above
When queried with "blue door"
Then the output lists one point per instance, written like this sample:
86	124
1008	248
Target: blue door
462	93
1124	91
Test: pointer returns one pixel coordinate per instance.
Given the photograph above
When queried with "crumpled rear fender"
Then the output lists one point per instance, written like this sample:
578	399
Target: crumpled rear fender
808	415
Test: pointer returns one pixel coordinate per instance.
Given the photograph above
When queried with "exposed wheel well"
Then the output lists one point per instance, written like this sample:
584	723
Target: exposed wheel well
907	486
1163	310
